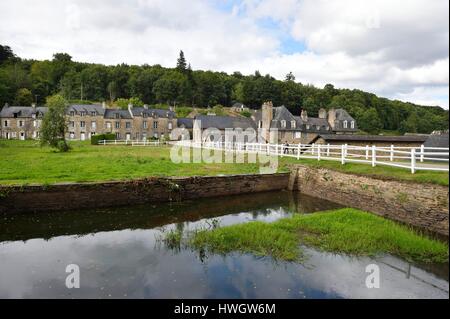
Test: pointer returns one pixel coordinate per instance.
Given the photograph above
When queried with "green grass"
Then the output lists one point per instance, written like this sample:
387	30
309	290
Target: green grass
380	171
349	231
24	162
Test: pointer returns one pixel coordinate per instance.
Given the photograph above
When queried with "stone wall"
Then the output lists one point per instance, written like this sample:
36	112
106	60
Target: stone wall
421	205
16	199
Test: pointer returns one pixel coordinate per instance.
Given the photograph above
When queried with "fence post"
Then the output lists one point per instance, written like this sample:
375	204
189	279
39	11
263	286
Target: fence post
346	150
392	153
413	160
342	154
367	152
422	151
328	150
104	142
374	155
318	152
312	148
298	151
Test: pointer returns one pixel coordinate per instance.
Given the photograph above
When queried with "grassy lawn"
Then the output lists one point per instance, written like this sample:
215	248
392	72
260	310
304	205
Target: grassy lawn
349	231
24	162
379	171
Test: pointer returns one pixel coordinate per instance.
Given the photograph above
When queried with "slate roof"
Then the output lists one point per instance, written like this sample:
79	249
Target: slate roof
88	108
22	111
373	138
139	111
111	114
437	141
341	116
186	122
223	122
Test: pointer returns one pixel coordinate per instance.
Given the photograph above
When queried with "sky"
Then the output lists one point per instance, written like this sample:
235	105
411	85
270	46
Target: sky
394	48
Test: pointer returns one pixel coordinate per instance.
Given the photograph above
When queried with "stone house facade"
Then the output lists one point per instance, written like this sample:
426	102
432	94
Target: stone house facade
21	122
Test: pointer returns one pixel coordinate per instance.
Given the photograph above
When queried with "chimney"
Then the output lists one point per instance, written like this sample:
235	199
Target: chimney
304	116
332	118
33	105
266	119
322	114
104	105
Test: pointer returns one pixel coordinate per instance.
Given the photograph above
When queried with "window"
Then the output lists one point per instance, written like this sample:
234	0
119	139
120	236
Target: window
352	124
293	124
298	134
307	127
283	123
5	124
127	124
117	115
155	135
93	125
170	125
92	133
93	113
318	127
82	124
117	136
345	124
82	113
72	113
144	124
108	124
71	135
259	124
117	124
34	123
144	114
20	123
72	124
155	124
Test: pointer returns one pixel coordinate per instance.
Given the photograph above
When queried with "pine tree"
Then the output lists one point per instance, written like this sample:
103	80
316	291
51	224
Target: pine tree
181	62
290	77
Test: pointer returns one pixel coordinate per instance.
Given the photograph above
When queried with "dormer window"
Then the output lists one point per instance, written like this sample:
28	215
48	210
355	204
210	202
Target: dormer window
293	124
307	126
318	127
72	113
345	124
144	114
93	113
82	113
352	124
283	123
117	115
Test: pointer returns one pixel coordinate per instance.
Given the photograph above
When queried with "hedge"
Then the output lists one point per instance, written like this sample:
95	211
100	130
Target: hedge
96	138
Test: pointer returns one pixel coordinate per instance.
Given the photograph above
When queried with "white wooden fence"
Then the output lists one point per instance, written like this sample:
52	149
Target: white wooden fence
412	158
129	142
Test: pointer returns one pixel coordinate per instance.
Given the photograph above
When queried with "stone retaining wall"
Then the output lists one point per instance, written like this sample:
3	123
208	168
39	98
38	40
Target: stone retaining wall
16	199
421	205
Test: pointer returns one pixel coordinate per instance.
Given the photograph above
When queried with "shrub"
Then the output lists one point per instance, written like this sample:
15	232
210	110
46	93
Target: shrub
96	138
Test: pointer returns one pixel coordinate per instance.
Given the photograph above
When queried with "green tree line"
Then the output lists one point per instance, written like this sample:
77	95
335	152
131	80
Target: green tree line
23	82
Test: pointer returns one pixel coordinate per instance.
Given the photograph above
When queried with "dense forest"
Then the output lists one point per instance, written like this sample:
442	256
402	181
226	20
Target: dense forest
23	82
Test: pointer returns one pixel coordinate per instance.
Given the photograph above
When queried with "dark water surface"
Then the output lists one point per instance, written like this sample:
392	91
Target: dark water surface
120	255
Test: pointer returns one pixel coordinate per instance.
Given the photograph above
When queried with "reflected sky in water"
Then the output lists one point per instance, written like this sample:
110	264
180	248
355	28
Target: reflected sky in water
120	257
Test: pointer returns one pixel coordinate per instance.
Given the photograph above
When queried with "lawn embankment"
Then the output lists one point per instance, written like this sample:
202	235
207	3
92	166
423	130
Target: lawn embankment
380	171
25	162
349	231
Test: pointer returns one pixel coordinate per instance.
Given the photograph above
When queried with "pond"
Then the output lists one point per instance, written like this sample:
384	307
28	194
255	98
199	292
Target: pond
120	255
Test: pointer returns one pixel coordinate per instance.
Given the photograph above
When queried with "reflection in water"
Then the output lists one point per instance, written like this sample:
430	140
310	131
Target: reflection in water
119	256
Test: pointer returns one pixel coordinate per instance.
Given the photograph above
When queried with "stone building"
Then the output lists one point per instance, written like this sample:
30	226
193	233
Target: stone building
84	121
280	125
21	122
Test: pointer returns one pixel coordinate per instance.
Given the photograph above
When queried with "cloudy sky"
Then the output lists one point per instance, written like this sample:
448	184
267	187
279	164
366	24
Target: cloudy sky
395	48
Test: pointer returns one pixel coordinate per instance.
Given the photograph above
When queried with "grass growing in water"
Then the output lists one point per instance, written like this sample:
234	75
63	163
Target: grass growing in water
347	230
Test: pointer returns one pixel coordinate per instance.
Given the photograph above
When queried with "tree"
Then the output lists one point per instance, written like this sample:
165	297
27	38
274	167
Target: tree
54	126
112	90
24	97
123	103
181	62
6	53
290	77
410	125
369	121
171	88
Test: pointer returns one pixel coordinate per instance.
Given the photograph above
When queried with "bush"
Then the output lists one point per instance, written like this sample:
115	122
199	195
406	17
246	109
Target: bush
246	113
62	146
96	138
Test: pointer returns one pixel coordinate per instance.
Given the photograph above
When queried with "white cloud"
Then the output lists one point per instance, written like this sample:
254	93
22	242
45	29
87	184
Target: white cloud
397	49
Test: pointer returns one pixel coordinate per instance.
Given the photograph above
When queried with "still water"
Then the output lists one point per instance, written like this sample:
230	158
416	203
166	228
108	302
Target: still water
120	255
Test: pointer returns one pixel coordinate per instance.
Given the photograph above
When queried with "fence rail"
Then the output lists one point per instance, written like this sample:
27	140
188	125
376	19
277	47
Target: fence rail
129	142
412	158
